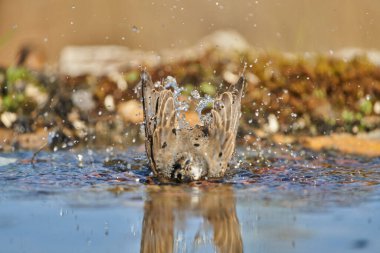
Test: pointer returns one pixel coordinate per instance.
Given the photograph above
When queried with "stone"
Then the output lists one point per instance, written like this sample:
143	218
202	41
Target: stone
131	111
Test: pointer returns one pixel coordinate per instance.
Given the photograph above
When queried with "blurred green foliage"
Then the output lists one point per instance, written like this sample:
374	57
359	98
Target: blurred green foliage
366	106
207	88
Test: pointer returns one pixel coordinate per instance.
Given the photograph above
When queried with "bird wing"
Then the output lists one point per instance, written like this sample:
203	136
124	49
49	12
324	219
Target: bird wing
160	122
223	128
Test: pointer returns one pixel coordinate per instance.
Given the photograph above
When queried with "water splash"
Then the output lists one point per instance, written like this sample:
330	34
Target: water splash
180	106
183	106
203	103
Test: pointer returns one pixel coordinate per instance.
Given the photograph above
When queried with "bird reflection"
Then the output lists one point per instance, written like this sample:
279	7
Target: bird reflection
167	207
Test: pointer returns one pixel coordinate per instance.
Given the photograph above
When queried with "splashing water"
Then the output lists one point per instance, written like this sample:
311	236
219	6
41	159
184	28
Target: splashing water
195	94
183	106
203	103
180	106
171	82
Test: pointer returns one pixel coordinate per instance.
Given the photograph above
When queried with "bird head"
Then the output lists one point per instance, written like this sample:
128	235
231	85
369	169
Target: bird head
189	168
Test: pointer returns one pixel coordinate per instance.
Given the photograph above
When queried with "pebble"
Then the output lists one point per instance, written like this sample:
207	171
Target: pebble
131	111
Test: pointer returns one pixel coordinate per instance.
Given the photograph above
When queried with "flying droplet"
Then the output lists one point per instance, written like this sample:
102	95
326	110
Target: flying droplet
135	29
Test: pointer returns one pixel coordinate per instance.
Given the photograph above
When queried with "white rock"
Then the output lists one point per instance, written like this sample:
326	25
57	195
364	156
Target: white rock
109	103
273	125
36	94
230	77
119	80
131	111
376	107
7	118
83	100
352	52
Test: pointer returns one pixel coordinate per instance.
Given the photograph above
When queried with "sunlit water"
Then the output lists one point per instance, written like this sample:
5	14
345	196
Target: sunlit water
107	201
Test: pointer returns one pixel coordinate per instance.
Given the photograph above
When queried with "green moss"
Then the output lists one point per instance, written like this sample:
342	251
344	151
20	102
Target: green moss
366	106
15	74
132	76
348	116
208	88
319	93
13	102
188	88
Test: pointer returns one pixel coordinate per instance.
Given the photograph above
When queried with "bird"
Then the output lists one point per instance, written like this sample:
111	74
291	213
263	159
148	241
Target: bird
185	154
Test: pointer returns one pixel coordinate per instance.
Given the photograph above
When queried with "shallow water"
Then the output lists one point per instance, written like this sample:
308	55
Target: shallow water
107	201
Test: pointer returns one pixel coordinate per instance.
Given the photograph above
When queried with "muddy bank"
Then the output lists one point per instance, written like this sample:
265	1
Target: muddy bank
93	95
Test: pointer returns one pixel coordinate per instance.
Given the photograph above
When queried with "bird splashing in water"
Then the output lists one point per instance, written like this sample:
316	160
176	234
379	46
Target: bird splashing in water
185	153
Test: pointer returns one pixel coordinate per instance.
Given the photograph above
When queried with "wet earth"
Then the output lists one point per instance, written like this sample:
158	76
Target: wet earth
104	200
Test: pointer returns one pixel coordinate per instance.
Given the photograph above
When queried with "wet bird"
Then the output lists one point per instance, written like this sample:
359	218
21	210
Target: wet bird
186	154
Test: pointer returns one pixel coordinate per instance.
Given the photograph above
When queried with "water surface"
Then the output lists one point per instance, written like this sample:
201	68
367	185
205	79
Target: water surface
107	201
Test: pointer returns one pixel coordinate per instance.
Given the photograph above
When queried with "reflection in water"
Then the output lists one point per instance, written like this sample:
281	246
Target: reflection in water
166	208
303	203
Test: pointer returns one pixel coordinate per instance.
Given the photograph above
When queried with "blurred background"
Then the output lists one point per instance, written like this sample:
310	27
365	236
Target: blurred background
292	25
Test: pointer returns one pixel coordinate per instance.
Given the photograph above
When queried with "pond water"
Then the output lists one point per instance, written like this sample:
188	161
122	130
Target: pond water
106	201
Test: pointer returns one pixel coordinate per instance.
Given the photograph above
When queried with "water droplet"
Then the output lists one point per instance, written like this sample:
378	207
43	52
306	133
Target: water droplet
135	29
106	229
195	94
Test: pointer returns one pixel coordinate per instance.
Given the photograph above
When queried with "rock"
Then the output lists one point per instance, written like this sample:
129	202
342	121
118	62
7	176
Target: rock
321	109
273	126
33	141
376	107
252	78
345	143
282	139
370	121
107	60
102	60
131	111
230	77
119	80
225	40
350	53
373	135
109	103
36	94
8	118
83	99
